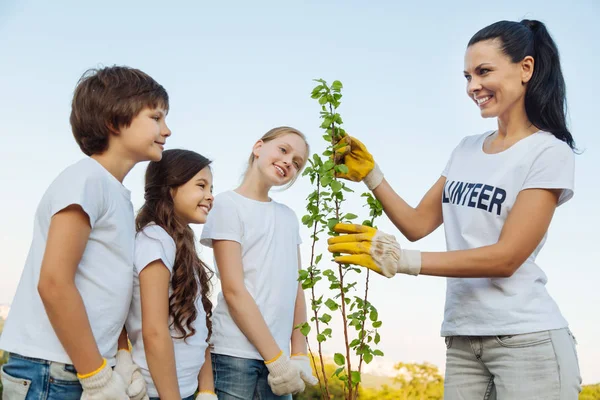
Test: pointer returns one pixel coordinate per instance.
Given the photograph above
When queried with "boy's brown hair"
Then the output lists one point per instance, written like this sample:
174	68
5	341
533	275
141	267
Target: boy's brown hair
107	99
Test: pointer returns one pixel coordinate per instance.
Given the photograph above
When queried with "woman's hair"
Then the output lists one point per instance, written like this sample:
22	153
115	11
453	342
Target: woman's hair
545	96
274	134
190	275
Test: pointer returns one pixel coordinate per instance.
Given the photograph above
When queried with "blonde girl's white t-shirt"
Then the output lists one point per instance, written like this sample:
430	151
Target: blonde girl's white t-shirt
151	244
268	233
479	193
103	277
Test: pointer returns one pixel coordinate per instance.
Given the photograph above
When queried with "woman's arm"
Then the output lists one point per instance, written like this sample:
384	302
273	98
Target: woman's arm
158	343
523	231
414	223
67	237
243	308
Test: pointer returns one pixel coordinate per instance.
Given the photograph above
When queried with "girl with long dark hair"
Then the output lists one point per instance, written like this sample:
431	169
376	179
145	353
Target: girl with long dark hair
169	323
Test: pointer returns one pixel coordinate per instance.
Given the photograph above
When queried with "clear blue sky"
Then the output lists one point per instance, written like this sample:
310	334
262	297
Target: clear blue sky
236	69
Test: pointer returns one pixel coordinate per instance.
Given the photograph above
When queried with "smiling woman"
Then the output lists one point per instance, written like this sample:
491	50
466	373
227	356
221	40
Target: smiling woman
496	198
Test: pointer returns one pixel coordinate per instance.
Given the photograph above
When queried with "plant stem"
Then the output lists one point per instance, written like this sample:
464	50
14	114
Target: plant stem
312	260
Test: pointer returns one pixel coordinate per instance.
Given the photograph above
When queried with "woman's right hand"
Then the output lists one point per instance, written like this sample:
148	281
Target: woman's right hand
361	165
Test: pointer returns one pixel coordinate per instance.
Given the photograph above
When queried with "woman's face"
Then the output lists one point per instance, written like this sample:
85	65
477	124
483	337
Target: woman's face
494	83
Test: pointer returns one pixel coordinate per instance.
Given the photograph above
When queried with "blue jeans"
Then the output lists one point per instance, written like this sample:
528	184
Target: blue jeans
242	379
31	378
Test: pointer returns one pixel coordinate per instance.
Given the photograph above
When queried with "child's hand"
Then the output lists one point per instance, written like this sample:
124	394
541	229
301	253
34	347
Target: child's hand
302	363
103	384
205	395
284	377
132	376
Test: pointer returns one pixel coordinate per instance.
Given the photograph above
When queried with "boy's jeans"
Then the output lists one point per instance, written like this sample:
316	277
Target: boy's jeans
242	379
540	365
31	378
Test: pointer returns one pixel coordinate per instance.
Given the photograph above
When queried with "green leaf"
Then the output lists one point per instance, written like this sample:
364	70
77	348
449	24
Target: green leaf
305	330
337	85
323	100
377	324
321	338
350	216
332	222
327	332
332	305
318	258
378	353
325	318
377	338
341	168
368	357
302	274
307	220
355	377
336	186
339	359
373	315
326	180
337	371
354	343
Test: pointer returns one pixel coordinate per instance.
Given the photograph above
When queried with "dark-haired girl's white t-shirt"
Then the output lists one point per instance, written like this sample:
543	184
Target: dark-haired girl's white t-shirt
479	193
151	244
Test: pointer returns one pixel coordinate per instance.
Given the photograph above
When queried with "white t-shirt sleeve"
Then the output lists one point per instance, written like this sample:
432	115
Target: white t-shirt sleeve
85	190
153	243
553	168
223	223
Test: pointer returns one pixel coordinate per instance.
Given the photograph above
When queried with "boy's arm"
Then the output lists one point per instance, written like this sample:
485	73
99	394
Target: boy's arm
158	343
67	238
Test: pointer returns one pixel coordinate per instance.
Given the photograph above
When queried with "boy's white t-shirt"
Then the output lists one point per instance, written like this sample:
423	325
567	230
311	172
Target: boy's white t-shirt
104	276
154	243
269	236
479	193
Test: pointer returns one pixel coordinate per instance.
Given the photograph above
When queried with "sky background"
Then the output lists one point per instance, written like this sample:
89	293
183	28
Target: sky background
236	69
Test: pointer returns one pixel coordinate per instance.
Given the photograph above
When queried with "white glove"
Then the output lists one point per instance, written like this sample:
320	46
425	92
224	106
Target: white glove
373	178
302	364
103	384
132	376
206	395
283	377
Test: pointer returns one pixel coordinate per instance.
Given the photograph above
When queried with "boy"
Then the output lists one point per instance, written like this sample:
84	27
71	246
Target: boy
75	290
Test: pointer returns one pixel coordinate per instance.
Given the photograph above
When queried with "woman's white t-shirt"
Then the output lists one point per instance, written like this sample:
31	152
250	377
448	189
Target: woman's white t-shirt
154	243
269	236
479	193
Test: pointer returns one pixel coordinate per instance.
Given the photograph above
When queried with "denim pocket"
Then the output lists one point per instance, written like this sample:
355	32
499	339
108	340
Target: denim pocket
524	339
448	340
14	388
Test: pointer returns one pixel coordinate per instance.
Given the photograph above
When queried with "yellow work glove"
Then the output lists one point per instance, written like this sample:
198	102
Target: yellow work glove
360	163
373	249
